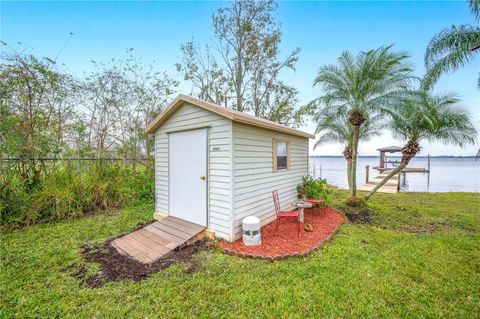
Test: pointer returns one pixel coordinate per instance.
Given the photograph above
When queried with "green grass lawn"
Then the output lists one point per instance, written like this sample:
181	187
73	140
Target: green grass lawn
419	257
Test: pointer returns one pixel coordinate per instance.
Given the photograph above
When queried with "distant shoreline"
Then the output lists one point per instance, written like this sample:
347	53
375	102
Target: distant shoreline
376	156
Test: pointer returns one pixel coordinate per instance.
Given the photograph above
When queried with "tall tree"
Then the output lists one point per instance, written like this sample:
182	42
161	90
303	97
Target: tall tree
151	91
431	118
119	99
452	48
359	87
105	96
337	129
240	28
247	78
34	109
203	71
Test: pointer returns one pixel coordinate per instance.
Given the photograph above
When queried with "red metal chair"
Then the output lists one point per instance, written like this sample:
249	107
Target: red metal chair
284	214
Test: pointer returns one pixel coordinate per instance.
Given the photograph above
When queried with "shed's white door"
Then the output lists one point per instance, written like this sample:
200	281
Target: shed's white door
188	175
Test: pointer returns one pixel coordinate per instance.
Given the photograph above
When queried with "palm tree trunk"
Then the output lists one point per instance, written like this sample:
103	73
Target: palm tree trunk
386	179
353	169
349	175
347	154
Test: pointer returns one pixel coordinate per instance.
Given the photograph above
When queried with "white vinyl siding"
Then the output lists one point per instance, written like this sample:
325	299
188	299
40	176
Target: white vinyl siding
253	175
220	164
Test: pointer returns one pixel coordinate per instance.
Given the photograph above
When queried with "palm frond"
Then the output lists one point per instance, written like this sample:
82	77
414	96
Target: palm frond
475	8
354	82
330	137
436	118
367	82
334	127
449	50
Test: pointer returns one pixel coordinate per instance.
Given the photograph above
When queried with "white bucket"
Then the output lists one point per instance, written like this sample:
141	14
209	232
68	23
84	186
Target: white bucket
251	234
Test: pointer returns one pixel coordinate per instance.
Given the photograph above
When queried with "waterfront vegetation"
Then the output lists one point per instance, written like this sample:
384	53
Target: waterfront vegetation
378	86
410	255
71	189
356	89
431	118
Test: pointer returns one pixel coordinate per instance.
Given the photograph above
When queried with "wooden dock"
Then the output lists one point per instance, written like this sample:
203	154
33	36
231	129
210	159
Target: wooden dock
390	187
405	170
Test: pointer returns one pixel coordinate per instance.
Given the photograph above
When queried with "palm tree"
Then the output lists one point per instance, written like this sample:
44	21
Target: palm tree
337	129
452	48
359	86
431	118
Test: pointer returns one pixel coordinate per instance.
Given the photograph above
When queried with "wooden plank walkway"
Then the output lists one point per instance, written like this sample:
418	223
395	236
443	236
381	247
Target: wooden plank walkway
390	187
153	241
405	170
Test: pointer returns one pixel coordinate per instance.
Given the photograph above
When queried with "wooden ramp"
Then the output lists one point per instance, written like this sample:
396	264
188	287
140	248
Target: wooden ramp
157	239
390	187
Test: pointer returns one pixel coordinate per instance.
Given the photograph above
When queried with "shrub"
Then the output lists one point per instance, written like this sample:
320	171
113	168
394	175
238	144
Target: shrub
69	193
313	188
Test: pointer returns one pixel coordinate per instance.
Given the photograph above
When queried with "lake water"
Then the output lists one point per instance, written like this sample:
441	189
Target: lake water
456	174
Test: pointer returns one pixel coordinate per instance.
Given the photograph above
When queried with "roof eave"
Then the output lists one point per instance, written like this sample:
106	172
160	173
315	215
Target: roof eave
157	122
268	126
181	99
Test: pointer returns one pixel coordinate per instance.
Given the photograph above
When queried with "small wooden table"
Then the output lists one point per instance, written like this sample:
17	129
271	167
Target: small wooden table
301	205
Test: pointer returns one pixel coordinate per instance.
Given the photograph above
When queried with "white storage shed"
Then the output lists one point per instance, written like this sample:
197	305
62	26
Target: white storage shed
214	166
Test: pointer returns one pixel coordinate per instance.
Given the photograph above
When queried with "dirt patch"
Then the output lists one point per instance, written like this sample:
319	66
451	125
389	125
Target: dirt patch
363	216
115	266
354	202
357	215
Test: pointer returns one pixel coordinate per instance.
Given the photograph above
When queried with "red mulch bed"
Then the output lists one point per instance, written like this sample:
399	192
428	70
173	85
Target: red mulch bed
284	243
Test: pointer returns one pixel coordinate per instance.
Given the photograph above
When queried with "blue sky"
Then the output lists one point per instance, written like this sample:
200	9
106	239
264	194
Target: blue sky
155	30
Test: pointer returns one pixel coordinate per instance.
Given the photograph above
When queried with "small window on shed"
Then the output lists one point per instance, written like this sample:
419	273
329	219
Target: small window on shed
281	150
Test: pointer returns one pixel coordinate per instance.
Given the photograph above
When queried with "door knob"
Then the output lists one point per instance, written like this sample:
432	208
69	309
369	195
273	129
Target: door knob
202	178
